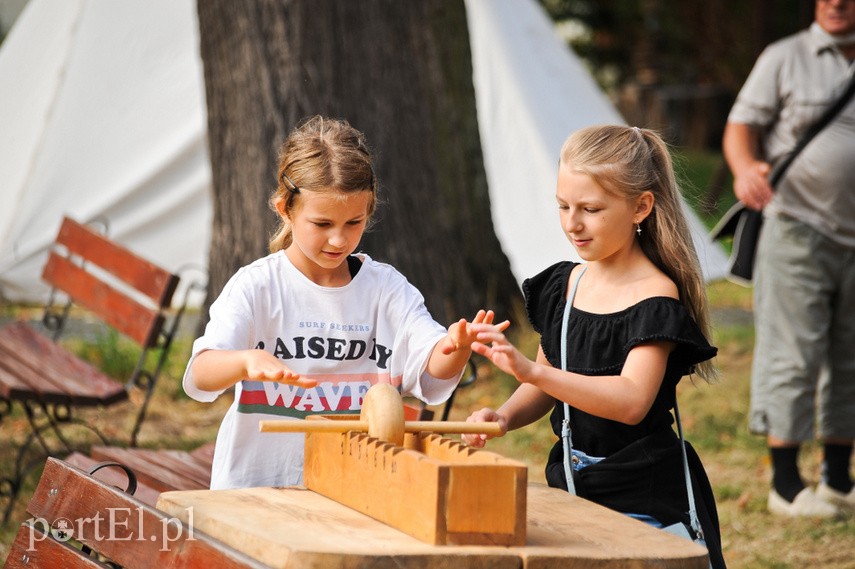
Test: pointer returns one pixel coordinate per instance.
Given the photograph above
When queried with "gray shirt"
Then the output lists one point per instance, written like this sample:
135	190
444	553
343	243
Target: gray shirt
794	80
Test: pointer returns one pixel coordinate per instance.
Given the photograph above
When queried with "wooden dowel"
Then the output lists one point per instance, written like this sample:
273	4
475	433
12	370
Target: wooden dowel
337	426
453	427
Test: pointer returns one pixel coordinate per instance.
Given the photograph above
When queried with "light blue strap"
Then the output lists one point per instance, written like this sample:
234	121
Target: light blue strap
566	433
693	511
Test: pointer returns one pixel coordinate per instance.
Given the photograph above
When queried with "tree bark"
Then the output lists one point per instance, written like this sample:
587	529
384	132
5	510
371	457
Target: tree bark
399	71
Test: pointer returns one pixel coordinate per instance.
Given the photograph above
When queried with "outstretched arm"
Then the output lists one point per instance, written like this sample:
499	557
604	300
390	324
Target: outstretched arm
450	354
626	398
216	370
525	406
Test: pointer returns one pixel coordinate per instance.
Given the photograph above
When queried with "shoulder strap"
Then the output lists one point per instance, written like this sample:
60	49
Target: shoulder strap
827	116
693	510
566	433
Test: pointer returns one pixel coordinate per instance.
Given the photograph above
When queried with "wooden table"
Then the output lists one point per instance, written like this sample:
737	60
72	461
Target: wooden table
295	527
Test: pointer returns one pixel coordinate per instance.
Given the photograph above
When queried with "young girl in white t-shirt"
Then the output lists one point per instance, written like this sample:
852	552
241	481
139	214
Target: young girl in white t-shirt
310	327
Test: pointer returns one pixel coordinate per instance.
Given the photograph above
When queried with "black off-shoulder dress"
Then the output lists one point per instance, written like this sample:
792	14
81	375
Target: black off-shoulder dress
642	472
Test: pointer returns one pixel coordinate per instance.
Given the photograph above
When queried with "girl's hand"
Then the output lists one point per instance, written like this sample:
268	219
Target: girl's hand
500	351
462	334
484	415
263	366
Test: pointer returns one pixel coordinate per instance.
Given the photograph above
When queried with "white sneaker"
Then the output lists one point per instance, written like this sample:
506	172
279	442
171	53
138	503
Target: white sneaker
806	504
839	499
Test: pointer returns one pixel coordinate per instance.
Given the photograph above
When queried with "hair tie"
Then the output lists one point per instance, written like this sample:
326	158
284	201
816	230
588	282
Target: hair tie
294	189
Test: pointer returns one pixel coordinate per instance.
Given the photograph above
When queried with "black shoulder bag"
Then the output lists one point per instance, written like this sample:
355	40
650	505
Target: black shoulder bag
744	224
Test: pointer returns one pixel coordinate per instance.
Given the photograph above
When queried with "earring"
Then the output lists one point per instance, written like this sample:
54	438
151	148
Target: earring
638	228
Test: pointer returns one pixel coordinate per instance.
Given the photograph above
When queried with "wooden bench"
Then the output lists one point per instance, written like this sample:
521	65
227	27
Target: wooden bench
124	291
164	469
80	522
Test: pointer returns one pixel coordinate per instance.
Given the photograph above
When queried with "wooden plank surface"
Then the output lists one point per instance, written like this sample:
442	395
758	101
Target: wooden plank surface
162	470
204	454
114	477
178	461
568	532
36	368
294	527
138	537
146	277
32	549
138	322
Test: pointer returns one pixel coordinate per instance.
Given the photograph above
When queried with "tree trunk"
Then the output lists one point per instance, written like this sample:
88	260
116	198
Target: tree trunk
399	71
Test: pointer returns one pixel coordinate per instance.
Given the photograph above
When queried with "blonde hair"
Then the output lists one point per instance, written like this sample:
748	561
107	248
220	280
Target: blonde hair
627	161
321	155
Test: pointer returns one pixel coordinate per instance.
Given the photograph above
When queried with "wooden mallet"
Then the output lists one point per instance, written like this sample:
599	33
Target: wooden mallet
382	417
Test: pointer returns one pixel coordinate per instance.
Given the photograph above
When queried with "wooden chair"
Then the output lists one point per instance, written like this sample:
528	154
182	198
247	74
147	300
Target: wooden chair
128	293
81	522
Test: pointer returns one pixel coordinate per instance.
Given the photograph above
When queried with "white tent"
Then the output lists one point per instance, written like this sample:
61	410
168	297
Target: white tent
102	115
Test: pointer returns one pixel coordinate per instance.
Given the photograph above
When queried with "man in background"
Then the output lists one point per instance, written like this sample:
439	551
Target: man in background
804	295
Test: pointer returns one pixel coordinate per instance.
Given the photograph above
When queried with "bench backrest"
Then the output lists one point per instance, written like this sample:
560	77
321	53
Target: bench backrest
126	291
70	508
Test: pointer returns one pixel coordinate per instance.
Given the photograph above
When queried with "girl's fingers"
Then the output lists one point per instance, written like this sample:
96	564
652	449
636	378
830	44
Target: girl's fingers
291	378
480	349
484	327
485	337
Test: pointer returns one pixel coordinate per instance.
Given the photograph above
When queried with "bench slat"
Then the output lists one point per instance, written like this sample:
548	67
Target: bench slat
114	477
10	386
33	549
126	315
153	538
182	462
155	471
146	277
39	369
204	454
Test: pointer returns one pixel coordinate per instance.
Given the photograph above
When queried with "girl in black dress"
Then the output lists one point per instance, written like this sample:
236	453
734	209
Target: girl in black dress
638	323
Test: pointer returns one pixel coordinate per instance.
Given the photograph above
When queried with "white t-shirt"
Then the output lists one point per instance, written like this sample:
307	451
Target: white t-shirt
375	329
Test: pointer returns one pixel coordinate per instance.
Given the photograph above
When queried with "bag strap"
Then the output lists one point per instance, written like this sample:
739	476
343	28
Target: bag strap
693	510
827	116
566	433
728	224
